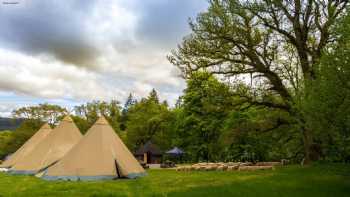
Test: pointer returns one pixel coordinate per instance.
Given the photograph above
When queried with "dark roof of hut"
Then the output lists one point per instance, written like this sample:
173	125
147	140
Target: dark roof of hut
149	147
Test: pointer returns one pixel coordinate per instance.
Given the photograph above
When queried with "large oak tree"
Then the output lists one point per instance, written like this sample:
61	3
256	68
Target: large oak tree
277	42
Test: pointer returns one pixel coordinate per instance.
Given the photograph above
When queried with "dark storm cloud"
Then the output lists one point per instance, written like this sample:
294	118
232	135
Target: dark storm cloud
165	22
61	28
49	27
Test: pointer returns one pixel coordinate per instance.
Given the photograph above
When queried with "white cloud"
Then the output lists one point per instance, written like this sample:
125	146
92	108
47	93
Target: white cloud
81	51
32	76
6	109
27	75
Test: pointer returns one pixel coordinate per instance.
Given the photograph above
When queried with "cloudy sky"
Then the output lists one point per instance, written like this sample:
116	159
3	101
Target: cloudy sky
70	52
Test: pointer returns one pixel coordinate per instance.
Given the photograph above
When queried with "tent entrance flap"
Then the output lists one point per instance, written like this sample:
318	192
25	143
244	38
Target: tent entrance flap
117	169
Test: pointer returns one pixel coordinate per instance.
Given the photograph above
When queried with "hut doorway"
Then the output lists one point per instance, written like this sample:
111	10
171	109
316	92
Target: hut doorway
147	157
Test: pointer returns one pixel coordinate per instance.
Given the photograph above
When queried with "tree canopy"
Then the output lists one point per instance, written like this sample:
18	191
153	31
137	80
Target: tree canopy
148	120
278	43
43	112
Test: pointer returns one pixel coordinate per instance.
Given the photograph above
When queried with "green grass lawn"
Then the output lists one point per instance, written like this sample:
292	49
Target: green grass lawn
318	180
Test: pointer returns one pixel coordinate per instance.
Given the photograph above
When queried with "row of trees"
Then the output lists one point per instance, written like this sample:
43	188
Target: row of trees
204	122
136	122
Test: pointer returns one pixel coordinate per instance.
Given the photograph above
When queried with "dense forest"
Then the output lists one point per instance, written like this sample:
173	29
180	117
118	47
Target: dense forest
266	80
9	123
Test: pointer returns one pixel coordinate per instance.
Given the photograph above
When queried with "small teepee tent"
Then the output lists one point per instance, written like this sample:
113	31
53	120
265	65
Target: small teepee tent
27	147
101	154
60	140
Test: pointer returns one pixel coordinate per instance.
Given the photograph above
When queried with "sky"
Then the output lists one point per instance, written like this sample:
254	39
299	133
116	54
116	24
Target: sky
72	52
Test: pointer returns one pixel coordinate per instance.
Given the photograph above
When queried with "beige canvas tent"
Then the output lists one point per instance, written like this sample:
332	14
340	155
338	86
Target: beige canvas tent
101	154
60	140
27	147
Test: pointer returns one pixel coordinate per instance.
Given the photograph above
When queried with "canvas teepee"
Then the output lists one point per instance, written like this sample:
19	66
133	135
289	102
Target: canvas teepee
28	146
101	154
60	140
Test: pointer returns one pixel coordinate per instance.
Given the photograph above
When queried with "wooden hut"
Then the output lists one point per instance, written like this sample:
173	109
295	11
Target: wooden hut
149	153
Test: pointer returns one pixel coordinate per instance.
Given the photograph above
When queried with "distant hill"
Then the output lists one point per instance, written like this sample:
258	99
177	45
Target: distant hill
9	123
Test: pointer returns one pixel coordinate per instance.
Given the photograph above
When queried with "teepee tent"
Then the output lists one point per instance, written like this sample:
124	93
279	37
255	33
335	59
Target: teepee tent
60	140
27	147
101	154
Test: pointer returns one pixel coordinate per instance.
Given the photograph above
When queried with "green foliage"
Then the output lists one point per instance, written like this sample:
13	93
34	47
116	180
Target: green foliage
11	141
124	114
206	103
88	113
212	123
82	124
5	139
153	96
328	101
43	112
258	134
279	43
149	120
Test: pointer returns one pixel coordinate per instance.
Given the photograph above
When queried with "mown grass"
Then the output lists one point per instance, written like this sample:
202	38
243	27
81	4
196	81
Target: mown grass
317	180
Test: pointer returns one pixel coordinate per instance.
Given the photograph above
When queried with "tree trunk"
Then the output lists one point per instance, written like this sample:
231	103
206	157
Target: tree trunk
307	138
